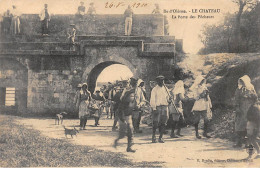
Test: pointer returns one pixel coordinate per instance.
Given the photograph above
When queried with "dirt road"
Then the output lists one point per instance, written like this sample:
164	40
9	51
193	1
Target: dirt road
186	151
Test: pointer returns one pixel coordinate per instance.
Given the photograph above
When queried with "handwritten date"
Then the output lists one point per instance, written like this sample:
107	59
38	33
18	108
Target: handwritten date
122	4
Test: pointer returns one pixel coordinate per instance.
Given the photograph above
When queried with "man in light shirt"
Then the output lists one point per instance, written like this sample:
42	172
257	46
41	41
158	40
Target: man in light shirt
128	20
159	102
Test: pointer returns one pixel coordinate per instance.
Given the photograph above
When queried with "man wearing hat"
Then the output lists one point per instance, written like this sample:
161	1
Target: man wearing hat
71	36
45	18
91	9
81	10
15	22
125	110
157	9
128	20
116	100
159	102
111	93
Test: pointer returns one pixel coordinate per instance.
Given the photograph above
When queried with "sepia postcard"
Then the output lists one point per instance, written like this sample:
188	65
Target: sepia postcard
129	83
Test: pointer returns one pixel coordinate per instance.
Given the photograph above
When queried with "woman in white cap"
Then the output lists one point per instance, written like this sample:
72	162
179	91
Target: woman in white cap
85	98
245	96
177	111
202	105
140	101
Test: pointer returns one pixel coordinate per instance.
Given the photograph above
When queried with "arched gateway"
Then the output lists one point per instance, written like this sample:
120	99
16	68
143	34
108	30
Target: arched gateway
49	79
92	75
97	65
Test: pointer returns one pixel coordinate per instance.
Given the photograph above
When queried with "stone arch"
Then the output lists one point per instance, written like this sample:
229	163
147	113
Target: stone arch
93	70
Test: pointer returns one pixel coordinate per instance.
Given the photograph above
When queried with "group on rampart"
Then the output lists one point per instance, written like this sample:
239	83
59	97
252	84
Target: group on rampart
11	20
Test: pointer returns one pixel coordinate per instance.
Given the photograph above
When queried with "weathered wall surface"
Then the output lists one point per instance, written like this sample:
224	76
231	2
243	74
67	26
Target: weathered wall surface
50	90
14	75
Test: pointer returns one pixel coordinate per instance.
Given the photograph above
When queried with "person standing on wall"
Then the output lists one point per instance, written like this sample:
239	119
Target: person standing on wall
159	102
81	10
15	23
71	36
45	19
128	20
6	24
91	9
92	12
157	9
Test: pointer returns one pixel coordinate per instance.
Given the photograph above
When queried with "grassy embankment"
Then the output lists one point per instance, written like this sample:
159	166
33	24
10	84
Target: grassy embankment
23	147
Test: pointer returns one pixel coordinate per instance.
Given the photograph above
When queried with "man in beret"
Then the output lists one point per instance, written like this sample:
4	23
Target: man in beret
159	102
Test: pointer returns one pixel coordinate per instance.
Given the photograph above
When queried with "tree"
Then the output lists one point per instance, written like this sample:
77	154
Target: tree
242	4
227	37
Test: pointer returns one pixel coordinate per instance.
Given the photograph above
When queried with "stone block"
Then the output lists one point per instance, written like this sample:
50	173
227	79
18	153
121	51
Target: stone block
56	95
42	76
159	47
33	89
66	72
50	78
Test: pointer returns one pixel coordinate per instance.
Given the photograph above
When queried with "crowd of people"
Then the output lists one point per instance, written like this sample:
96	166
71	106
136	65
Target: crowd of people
125	101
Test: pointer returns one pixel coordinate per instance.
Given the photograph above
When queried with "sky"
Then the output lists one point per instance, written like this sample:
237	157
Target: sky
120	72
186	29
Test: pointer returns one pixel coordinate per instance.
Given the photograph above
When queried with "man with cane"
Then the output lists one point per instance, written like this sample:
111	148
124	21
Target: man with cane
159	102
